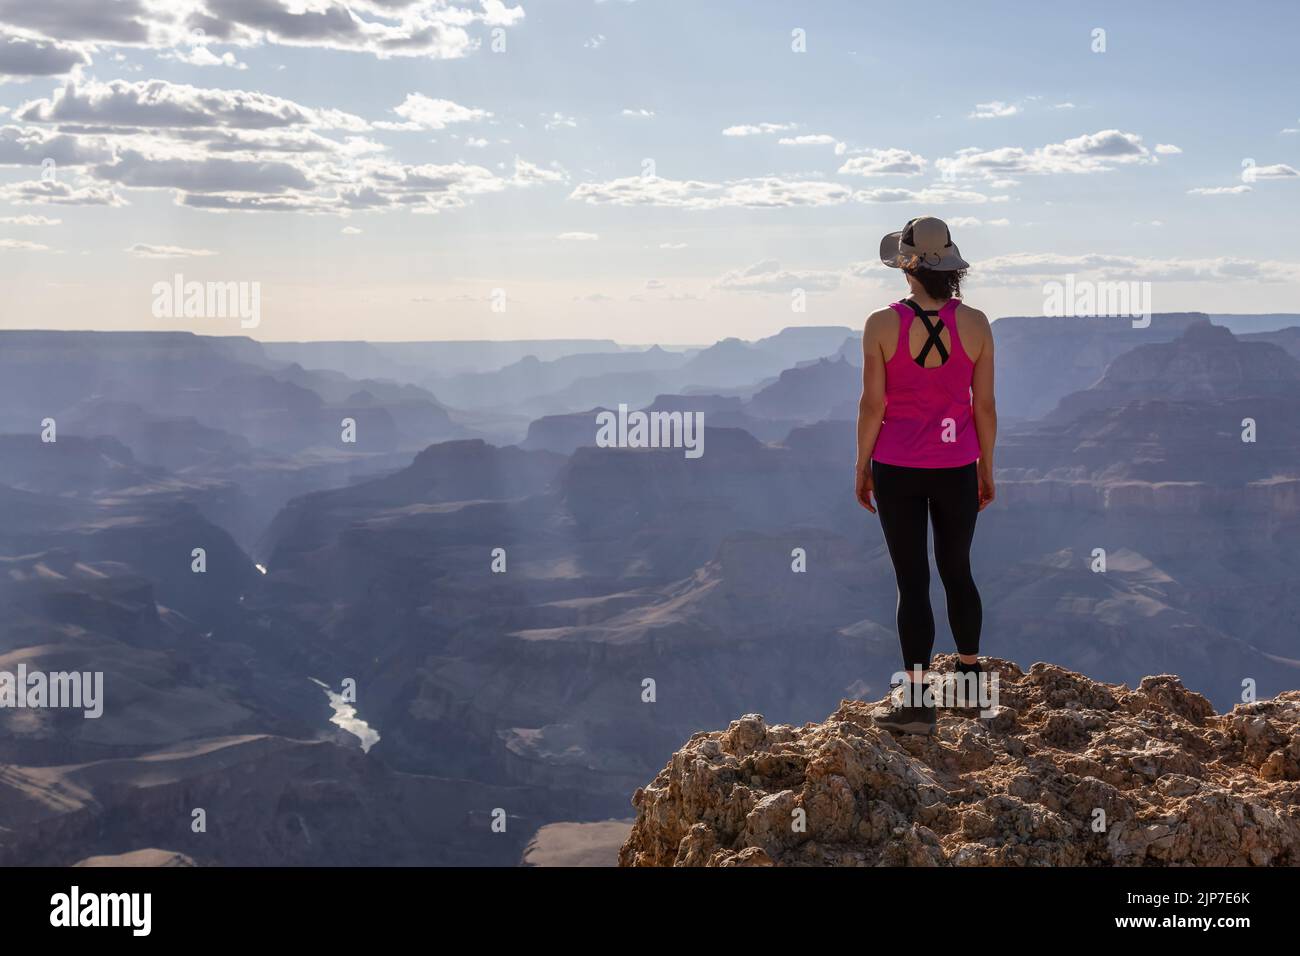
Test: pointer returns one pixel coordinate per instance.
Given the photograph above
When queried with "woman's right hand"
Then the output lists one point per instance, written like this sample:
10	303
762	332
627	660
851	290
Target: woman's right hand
987	491
865	487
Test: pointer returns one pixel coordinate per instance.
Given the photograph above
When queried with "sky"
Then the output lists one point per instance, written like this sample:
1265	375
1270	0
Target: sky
671	171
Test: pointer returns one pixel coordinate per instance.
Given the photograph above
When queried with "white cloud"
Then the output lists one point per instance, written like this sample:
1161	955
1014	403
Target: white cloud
1276	171
883	162
23	245
434	29
962	222
26	56
58	193
757	129
765	192
32	146
1167	149
350	231
147	251
29	221
813	139
579	236
422	112
929	195
768	277
202	56
1027	267
158	104
994	109
1219	190
640	114
1089	153
558	121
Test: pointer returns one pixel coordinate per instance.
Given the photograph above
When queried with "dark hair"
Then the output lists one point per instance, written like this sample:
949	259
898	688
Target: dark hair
939	285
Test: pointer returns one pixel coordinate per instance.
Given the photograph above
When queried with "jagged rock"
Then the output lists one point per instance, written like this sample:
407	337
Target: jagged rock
1064	771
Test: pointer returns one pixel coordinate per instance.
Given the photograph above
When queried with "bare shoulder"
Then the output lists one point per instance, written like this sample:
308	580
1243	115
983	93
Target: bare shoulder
974	328
880	322
881	330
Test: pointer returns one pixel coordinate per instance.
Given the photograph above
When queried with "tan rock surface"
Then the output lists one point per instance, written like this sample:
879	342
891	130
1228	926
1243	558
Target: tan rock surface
1066	771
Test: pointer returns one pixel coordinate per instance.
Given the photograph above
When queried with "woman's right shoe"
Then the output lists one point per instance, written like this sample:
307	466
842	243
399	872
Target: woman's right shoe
962	686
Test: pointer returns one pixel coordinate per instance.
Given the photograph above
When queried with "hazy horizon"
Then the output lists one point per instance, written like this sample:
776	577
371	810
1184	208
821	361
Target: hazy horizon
710	174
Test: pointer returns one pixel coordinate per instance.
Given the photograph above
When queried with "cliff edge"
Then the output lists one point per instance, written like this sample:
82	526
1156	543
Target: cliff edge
1064	771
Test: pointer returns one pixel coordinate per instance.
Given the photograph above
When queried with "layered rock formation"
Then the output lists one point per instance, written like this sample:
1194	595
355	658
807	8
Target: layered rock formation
1063	771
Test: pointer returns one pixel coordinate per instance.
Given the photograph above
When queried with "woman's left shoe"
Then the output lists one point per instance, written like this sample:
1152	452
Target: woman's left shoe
906	719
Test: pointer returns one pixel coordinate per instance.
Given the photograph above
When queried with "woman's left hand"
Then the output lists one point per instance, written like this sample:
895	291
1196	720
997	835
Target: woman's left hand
865	487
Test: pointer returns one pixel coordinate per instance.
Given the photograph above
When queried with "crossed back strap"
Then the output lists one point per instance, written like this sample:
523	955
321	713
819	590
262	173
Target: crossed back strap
933	341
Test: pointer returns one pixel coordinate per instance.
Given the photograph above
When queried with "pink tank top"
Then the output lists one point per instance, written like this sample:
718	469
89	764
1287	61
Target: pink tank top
928	421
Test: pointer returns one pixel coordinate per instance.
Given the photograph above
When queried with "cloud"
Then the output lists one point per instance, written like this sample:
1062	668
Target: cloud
202	56
29	221
213	174
23	245
929	195
421	112
1219	190
31	146
1025	267
158	104
971	221
23	56
883	162
1089	153
640	114
35	192
764	192
579	236
1276	171
434	29
757	129
994	109
558	121
1167	149
350	231
530	174
813	139
147	251
124	21
768	277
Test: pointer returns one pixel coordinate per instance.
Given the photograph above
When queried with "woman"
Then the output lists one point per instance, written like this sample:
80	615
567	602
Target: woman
926	427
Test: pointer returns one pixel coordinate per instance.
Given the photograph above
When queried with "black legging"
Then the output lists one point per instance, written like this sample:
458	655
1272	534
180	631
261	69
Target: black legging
951	496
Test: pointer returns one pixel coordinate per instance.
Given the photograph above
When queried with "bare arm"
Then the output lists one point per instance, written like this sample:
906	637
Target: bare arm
984	407
871	407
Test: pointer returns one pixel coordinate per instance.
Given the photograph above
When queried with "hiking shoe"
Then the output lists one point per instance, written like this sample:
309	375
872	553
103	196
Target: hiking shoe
961	687
905	720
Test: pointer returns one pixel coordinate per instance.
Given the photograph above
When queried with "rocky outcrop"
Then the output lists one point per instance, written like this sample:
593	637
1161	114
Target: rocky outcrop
1062	771
148	857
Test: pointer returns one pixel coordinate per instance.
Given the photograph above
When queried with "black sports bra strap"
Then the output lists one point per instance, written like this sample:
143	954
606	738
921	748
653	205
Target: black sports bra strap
933	341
